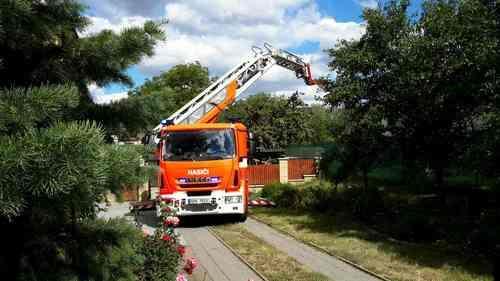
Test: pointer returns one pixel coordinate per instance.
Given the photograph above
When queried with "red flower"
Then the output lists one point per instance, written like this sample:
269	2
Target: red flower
181	250
166	238
171	221
167	210
190	265
181	277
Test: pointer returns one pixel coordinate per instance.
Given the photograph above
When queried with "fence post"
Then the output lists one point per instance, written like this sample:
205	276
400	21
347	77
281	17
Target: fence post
283	165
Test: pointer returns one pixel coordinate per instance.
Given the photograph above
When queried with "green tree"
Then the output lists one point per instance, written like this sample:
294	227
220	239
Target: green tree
55	169
40	43
321	122
274	121
186	80
430	77
51	180
157	99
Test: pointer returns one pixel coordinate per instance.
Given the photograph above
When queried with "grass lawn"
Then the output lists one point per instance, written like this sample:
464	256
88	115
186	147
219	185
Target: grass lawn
396	261
272	263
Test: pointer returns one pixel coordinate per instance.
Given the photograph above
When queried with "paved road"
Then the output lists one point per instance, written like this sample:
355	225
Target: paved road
216	262
317	261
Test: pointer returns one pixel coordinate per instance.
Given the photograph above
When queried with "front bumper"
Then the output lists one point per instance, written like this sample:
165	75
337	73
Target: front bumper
218	202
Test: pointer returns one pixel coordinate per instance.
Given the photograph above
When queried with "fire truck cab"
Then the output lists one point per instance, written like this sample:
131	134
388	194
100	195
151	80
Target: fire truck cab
205	168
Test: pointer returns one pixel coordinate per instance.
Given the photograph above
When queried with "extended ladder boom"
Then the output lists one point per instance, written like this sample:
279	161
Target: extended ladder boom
236	81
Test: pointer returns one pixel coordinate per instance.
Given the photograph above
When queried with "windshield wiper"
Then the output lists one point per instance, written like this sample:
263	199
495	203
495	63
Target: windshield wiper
212	157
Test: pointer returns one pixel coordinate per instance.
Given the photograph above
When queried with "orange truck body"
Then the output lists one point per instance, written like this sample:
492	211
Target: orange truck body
212	186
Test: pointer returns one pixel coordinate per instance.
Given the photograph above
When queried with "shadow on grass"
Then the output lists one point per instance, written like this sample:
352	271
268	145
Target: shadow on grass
430	255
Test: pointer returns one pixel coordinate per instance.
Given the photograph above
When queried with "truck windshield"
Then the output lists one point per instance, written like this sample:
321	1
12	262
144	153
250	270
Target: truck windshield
199	145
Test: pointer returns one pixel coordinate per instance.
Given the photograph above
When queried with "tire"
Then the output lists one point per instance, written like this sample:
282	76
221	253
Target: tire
241	218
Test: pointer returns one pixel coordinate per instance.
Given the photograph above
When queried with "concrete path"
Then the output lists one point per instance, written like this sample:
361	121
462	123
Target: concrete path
218	261
316	260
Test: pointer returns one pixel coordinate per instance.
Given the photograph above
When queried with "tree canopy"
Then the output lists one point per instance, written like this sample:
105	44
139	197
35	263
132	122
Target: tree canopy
277	122
41	42
148	104
429	79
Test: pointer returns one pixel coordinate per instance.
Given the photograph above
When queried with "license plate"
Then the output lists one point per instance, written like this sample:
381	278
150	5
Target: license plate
199	200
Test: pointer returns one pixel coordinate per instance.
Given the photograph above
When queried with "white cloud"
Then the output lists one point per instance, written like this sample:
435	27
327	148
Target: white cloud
98	24
98	96
219	34
368	3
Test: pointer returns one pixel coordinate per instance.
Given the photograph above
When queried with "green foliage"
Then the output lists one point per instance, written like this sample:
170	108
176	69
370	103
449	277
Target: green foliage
186	80
112	250
51	179
104	56
54	166
161	259
40	44
159	97
426	81
95	250
321	123
359	145
318	196
279	121
22	109
54	171
126	167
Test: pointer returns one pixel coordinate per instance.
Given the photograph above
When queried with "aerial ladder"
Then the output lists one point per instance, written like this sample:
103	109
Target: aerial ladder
207	106
203	164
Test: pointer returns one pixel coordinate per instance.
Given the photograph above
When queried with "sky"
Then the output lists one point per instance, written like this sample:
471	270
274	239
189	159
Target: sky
220	33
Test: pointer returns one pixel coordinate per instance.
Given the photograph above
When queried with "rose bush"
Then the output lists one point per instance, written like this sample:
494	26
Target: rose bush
164	253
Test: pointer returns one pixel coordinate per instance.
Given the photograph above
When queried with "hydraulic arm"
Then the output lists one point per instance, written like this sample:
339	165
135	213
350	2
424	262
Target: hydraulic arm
207	106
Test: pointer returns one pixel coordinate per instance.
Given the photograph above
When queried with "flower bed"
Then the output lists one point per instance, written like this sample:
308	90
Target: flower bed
164	255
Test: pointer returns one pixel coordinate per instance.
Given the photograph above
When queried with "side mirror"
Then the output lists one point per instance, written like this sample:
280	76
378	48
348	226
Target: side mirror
251	145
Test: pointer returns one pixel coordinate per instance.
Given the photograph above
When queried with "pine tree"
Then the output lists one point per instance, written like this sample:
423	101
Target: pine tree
55	165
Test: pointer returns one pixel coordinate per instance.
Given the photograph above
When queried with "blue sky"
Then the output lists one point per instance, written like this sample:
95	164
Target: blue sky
220	33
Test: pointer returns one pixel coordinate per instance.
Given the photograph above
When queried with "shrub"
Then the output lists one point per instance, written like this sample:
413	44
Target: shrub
367	203
485	239
93	250
161	259
413	226
321	196
273	191
111	250
163	252
317	196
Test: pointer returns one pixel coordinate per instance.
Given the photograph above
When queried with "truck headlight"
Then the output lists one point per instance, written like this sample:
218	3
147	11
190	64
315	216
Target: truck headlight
233	199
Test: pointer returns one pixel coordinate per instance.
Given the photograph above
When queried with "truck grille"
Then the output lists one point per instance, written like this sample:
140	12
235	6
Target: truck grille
199	193
200	207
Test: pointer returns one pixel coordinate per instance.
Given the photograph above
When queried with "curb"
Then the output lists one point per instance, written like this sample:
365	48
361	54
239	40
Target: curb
236	254
323	250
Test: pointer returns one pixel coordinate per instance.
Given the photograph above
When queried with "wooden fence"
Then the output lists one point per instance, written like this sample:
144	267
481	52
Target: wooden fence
297	168
263	174
266	174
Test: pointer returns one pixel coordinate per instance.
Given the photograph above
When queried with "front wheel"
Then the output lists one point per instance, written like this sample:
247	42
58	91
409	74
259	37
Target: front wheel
241	217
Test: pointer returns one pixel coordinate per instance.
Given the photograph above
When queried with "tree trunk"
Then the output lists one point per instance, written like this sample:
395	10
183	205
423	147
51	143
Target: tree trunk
365	178
439	177
408	162
496	263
